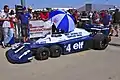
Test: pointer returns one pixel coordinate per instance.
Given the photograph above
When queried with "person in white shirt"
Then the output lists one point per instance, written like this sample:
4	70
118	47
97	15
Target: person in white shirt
1	30
30	11
4	16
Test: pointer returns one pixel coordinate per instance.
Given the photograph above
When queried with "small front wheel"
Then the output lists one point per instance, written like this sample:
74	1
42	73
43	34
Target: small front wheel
42	53
55	50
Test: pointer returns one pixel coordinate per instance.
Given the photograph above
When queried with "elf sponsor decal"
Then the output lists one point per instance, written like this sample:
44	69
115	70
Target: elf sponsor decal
75	46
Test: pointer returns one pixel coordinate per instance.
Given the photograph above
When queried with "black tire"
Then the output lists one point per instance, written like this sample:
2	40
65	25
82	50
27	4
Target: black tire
100	41
42	53
55	51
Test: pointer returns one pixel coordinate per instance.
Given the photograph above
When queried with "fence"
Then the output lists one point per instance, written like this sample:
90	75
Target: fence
38	28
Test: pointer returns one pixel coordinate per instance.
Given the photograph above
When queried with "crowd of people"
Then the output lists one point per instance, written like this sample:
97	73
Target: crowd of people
6	24
104	17
8	19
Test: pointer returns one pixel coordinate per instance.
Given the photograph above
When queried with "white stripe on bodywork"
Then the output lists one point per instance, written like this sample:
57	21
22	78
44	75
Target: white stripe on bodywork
96	29
16	45
19	49
25	53
26	43
105	28
30	58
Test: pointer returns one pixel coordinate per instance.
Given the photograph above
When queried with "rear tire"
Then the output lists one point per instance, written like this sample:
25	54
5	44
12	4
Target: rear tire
42	53
100	41
55	51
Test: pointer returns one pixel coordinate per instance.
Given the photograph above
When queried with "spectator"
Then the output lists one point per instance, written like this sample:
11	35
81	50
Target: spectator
75	15
44	15
1	30
35	16
106	18
84	14
4	17
116	21
30	12
90	15
12	24
24	18
102	13
96	18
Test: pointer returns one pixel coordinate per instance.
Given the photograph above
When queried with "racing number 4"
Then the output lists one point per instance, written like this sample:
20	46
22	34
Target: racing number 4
68	48
75	46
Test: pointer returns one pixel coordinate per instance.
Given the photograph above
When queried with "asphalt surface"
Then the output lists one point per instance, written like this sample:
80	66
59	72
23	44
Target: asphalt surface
86	65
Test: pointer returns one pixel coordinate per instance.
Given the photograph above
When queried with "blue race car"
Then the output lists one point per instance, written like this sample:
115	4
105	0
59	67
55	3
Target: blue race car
54	45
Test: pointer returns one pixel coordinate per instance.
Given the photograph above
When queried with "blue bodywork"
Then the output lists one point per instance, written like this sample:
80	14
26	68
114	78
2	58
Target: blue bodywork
68	47
95	28
87	43
19	56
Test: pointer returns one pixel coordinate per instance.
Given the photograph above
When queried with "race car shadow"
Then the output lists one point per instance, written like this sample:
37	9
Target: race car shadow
114	44
75	52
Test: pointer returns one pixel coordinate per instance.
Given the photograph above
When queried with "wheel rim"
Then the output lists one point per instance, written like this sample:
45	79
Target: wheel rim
44	53
57	51
103	43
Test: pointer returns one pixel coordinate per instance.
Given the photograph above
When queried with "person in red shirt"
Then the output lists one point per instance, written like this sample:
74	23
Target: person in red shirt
96	18
75	14
12	19
44	15
102	14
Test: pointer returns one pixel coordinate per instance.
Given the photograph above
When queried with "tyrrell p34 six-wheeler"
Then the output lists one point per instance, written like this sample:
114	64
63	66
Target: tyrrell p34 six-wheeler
54	45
